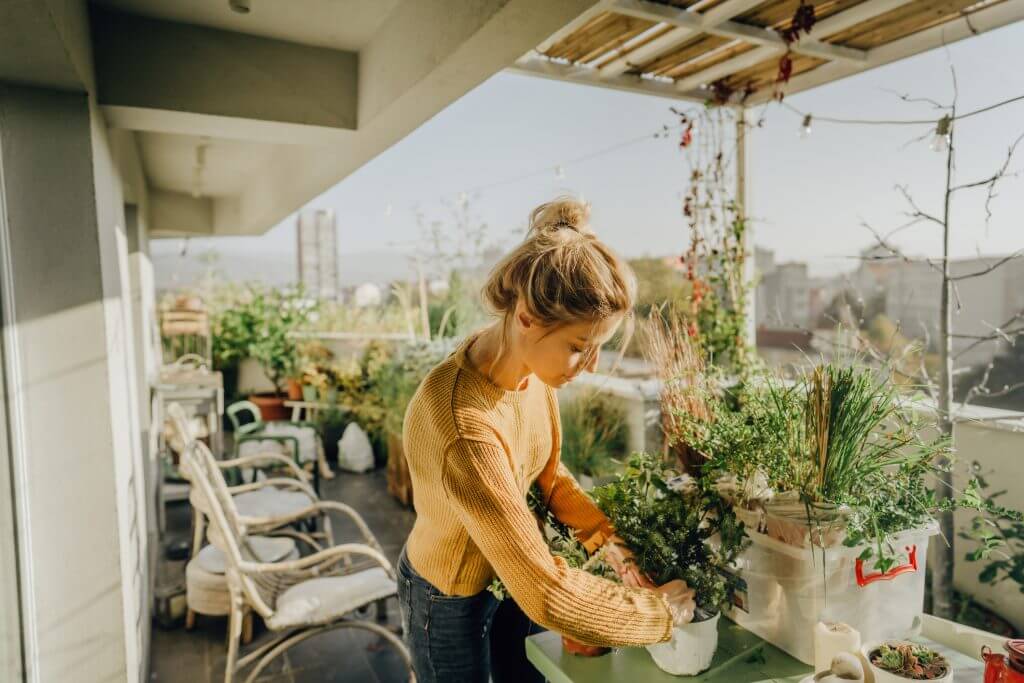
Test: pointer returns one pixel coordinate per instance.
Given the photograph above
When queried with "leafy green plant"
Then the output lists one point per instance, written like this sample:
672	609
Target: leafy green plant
259	323
395	380
594	433
676	528
999	538
908	660
839	441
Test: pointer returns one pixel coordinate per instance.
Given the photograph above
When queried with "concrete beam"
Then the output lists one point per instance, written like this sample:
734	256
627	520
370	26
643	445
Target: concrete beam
161	75
425	57
174	214
45	43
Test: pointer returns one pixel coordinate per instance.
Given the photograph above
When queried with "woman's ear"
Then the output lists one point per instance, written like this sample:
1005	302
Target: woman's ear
523	318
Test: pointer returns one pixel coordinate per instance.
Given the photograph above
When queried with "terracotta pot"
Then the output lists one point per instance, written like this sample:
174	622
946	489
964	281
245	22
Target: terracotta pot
271	406
577	648
294	390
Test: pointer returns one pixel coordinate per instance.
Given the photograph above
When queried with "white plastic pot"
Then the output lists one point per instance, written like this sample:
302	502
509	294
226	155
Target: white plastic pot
882	676
691	649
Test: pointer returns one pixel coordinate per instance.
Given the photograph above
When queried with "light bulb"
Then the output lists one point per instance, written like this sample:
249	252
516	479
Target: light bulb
463	199
388	210
940	141
559	173
805	127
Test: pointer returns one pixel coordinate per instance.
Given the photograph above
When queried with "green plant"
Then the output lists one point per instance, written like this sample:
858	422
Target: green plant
594	433
395	381
676	527
999	538
840	442
908	660
259	322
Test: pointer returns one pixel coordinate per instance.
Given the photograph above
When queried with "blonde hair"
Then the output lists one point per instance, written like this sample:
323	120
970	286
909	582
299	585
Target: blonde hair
562	272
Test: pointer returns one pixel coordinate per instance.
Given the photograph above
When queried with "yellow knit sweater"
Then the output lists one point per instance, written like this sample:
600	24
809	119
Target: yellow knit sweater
474	449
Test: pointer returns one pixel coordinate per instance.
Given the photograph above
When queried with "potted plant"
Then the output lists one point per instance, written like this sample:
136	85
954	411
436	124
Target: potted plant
832	477
594	434
313	380
901	661
678	528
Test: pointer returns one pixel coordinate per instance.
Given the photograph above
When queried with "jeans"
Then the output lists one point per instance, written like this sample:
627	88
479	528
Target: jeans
462	639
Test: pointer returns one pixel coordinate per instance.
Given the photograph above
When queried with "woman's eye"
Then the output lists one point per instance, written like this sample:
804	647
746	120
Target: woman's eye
576	349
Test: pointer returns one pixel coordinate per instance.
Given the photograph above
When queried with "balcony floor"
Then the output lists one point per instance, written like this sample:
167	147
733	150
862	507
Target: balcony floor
346	656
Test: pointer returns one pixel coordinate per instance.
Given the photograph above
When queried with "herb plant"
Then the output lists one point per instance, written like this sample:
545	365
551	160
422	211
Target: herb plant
676	528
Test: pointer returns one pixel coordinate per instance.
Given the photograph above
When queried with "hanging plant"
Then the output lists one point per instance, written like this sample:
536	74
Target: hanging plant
803	21
713	263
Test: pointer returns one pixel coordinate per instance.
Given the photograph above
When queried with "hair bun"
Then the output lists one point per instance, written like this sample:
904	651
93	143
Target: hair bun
561	214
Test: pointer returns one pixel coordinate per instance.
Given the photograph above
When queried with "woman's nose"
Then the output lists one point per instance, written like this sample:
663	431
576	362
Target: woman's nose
592	365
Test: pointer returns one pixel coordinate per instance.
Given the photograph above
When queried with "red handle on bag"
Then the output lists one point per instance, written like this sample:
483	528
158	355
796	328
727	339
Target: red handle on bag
911	566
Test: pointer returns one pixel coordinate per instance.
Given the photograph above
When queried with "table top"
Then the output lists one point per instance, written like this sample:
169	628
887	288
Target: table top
741	657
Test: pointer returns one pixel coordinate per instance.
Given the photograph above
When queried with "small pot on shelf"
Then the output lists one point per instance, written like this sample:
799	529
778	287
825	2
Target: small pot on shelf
309	393
692	647
271	406
942	671
329	396
294	390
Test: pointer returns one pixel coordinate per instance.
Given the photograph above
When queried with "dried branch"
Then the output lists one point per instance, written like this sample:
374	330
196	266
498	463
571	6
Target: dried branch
993	180
982	388
918	212
985	271
995	334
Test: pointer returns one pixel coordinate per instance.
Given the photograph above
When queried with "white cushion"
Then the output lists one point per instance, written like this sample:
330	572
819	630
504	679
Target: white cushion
271	502
319	601
306	436
266	549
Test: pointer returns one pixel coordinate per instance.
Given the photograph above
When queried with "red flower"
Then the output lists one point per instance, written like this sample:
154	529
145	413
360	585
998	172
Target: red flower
687	136
785	69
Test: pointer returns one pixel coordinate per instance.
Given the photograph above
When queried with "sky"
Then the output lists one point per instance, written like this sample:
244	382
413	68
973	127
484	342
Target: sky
501	144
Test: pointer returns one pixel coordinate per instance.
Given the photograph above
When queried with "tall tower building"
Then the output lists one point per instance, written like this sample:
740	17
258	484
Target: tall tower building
318	253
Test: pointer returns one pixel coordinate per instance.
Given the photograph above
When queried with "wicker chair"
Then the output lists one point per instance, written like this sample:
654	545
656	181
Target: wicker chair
297	598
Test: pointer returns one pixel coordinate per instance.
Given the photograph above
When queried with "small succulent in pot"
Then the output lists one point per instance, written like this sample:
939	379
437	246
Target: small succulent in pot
899	661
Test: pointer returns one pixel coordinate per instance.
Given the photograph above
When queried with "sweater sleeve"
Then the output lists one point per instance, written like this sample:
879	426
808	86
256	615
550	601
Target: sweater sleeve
482	490
565	497
572	506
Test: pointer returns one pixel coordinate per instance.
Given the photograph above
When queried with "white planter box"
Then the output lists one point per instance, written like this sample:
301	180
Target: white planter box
784	591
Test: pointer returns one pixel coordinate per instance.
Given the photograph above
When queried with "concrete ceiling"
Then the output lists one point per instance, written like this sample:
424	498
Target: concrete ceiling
337	24
240	119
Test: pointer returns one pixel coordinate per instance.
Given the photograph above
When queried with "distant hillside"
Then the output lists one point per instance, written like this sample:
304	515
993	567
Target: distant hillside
273	268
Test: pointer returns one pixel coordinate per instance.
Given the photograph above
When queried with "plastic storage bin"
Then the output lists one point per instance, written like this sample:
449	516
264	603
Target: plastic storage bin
784	591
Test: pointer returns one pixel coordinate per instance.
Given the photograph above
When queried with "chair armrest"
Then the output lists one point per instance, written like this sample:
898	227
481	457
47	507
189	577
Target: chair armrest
283	439
272	460
357	519
317	563
281	483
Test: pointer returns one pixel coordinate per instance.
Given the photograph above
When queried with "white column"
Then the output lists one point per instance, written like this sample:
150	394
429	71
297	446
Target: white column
68	359
742	199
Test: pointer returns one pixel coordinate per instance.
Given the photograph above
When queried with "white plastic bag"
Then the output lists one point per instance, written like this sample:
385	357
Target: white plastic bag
355	454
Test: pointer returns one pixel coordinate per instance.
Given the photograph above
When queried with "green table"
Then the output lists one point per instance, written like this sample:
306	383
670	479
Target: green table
741	657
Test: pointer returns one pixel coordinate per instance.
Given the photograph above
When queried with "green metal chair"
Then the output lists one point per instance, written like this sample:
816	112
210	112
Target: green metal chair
249	426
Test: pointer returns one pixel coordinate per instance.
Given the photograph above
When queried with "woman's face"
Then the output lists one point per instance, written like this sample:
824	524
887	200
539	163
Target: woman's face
557	354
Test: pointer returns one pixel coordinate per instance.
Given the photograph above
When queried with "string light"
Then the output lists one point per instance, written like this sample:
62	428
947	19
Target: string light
940	142
805	127
559	173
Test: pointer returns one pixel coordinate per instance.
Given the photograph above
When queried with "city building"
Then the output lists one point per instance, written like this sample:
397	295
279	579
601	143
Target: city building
317	235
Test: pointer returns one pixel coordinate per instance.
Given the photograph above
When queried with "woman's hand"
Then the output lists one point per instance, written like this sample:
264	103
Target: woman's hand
680	601
621	560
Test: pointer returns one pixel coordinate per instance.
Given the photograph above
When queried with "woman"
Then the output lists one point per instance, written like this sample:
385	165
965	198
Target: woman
481	429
